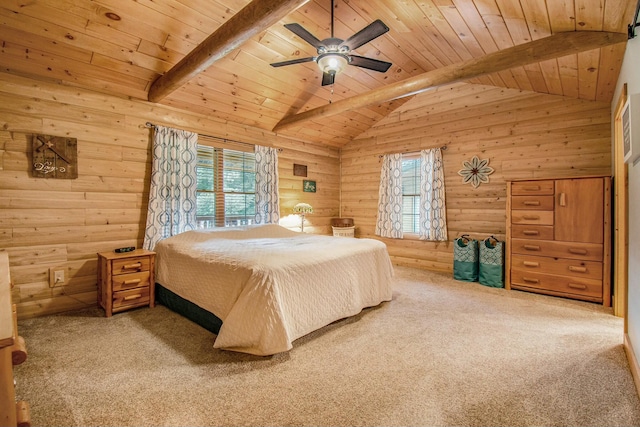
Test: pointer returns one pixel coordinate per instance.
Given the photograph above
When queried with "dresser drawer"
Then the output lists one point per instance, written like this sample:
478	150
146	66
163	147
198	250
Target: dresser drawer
557	266
544	187
532	217
542	203
586	288
538	232
130	265
572	250
130	280
131	297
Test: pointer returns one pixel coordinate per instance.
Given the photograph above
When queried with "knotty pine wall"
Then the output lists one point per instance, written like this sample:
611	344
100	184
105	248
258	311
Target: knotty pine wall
47	223
523	134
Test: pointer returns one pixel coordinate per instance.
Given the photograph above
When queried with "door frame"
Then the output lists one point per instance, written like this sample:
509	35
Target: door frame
621	216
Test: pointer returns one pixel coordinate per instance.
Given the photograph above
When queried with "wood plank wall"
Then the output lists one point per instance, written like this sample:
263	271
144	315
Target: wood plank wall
46	223
523	134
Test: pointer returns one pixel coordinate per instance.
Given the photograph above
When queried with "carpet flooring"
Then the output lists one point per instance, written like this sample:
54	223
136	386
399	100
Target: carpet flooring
441	353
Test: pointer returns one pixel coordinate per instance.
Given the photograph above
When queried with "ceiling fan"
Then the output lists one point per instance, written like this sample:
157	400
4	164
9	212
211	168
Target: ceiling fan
334	54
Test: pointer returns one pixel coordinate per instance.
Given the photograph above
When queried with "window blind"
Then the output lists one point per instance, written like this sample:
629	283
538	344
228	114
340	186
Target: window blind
226	183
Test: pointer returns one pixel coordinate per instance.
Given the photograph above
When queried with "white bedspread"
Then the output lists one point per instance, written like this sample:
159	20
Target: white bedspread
270	285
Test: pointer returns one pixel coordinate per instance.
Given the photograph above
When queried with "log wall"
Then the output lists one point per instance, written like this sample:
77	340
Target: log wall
63	223
523	134
46	223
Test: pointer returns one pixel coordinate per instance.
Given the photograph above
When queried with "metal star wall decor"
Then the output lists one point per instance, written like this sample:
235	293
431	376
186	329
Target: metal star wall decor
475	171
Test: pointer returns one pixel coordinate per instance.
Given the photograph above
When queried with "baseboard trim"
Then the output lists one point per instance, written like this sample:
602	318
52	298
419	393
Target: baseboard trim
633	362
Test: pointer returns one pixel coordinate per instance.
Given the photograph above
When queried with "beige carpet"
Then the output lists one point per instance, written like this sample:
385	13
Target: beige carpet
441	353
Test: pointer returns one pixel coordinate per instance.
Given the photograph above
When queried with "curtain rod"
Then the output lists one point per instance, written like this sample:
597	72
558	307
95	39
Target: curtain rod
151	125
443	148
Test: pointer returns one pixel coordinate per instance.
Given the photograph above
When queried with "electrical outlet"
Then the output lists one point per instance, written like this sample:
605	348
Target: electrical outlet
56	276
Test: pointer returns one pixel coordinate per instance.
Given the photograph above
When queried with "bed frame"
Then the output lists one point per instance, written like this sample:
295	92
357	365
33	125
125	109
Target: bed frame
191	311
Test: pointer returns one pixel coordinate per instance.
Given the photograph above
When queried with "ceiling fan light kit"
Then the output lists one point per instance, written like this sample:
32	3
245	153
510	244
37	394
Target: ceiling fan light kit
332	63
334	54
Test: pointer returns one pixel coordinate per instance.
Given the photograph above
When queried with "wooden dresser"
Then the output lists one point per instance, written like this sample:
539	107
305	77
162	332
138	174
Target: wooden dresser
126	280
12	352
559	237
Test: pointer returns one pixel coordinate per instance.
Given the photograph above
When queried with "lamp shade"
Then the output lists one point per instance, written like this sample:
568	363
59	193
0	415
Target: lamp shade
303	208
332	63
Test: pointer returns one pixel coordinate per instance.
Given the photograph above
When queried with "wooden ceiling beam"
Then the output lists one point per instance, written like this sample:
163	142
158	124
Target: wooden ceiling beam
554	46
254	18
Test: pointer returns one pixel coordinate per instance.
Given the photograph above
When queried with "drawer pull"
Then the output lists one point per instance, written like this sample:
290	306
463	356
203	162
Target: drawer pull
531	188
531	217
132	266
531	203
531	232
130	297
531	247
531	264
577	269
530	280
577	286
577	251
131	282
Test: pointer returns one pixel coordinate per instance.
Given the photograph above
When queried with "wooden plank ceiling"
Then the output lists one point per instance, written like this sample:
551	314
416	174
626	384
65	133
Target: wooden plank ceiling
121	46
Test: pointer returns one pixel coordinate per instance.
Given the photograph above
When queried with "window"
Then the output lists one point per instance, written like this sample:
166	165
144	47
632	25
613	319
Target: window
410	194
226	187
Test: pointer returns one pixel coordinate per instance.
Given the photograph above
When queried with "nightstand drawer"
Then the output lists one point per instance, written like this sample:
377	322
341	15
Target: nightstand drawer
131	280
131	297
130	265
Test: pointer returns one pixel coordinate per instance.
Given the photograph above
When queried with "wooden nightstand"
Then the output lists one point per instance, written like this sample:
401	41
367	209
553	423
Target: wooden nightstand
126	280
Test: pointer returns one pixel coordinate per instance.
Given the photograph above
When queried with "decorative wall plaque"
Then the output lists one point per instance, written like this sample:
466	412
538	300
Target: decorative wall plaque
299	170
475	171
54	157
309	186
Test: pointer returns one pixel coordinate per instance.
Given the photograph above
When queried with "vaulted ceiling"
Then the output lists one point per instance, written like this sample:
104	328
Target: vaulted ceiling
121	47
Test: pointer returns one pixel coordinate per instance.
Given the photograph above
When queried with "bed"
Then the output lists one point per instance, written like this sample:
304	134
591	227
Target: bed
269	285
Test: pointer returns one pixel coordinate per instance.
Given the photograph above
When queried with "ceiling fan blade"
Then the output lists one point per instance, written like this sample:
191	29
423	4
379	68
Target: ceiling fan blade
293	61
365	35
305	35
371	64
328	78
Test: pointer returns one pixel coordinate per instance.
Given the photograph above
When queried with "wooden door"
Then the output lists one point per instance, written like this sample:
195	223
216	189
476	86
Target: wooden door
579	210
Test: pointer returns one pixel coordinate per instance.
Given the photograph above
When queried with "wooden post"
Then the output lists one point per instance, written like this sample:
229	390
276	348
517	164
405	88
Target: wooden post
23	415
254	18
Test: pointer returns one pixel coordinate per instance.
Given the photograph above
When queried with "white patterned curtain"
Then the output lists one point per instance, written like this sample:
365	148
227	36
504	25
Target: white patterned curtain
389	222
267	199
172	196
433	219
